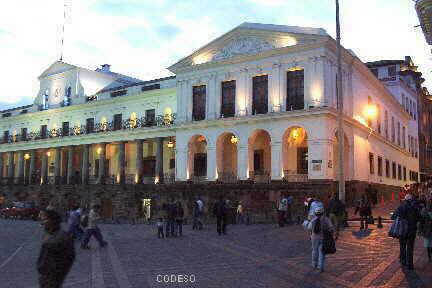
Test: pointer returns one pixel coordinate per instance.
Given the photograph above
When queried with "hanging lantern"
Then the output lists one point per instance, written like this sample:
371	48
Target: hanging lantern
234	139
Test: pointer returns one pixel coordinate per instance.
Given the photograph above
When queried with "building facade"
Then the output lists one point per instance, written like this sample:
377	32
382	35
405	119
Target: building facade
256	106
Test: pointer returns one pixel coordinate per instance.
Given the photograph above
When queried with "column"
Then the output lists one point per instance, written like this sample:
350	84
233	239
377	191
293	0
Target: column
242	162
159	159
139	160
1	167
211	163
102	153
85	164
274	83
121	155
20	167
31	178
181	163
44	166
57	164
10	166
276	160
211	98
70	165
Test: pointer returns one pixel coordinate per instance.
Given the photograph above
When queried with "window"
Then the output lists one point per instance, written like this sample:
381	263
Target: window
302	160
406	104
118	121
378	118
150	117
386	124
118	93
228	98
375	71
393	170
410	108
260	94
380	166
295	90
387	168
43	131
371	163
399	134
172	163
414	109
24	134
391	71
393	132
150	87
6	136
404	173
403	137
199	102
258	161
67	97
65	128
399	172
90	125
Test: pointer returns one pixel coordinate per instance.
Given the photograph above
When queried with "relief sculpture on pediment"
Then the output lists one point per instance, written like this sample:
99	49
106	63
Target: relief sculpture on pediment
243	46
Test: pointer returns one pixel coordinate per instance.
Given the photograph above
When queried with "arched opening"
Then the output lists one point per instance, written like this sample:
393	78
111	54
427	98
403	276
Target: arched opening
226	157
197	157
295	154
336	157
259	155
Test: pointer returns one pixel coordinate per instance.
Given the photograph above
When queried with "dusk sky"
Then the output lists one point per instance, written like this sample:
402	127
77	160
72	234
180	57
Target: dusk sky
141	38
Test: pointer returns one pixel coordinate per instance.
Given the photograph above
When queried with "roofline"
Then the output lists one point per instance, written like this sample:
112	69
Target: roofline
16	108
137	84
380	63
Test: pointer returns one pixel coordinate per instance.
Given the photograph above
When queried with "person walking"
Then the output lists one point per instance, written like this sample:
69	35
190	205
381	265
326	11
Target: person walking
219	210
314	204
240	212
318	226
57	253
408	212
425	228
365	211
73	223
171	216
179	218
160	228
336	210
282	210
90	224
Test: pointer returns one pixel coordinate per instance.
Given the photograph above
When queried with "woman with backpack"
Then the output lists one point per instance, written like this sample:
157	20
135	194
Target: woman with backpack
320	227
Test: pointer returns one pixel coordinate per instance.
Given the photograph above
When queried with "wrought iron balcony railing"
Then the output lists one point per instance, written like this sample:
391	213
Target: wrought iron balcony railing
166	120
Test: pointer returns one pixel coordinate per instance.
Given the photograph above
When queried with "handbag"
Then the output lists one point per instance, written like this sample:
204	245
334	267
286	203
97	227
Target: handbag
329	245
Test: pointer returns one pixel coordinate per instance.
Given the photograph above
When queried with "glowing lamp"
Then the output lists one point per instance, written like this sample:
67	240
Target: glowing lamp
370	111
156	180
99	150
234	139
26	156
48	153
295	134
170	144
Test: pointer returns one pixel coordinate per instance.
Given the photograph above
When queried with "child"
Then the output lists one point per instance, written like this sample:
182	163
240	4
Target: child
159	225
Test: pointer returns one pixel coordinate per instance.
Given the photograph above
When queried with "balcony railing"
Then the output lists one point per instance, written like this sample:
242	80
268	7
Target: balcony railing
227	177
295	176
127	124
260	176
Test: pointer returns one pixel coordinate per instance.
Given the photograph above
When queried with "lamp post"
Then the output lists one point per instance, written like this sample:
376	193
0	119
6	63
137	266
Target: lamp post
340	109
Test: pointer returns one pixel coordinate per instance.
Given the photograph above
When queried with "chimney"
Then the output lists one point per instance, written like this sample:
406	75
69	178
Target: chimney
105	67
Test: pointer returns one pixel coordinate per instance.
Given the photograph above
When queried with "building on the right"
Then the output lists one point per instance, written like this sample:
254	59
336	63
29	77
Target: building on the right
424	12
404	81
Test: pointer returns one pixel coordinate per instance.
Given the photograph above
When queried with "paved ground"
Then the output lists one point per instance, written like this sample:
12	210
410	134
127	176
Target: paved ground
259	255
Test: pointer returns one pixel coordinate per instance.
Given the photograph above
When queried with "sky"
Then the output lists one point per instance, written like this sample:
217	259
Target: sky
140	38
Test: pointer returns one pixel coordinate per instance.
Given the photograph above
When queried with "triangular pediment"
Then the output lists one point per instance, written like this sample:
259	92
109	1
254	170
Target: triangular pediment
56	68
250	39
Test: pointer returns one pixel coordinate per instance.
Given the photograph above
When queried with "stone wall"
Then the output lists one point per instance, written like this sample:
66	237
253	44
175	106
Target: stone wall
123	203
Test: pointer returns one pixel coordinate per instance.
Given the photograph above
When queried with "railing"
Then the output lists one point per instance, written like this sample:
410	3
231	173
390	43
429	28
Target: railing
169	178
227	177
260	176
130	178
127	124
295	176
197	179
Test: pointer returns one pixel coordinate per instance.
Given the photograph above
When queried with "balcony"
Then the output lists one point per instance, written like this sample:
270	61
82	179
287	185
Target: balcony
295	176
128	124
260	176
227	177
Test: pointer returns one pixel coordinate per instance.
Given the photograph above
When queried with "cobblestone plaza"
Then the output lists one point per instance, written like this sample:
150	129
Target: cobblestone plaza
259	255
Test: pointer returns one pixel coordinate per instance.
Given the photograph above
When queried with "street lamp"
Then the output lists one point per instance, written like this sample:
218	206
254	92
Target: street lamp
340	108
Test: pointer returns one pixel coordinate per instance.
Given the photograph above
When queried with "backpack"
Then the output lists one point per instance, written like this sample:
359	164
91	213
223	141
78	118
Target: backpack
84	221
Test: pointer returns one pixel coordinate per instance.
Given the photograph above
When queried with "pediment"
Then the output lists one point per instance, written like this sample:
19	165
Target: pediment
56	68
250	39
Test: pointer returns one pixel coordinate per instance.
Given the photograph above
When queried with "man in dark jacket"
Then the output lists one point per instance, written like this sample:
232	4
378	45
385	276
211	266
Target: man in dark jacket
219	210
171	216
57	253
408	211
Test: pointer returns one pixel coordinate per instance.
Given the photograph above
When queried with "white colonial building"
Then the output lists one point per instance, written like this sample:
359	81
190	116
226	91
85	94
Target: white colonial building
258	103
